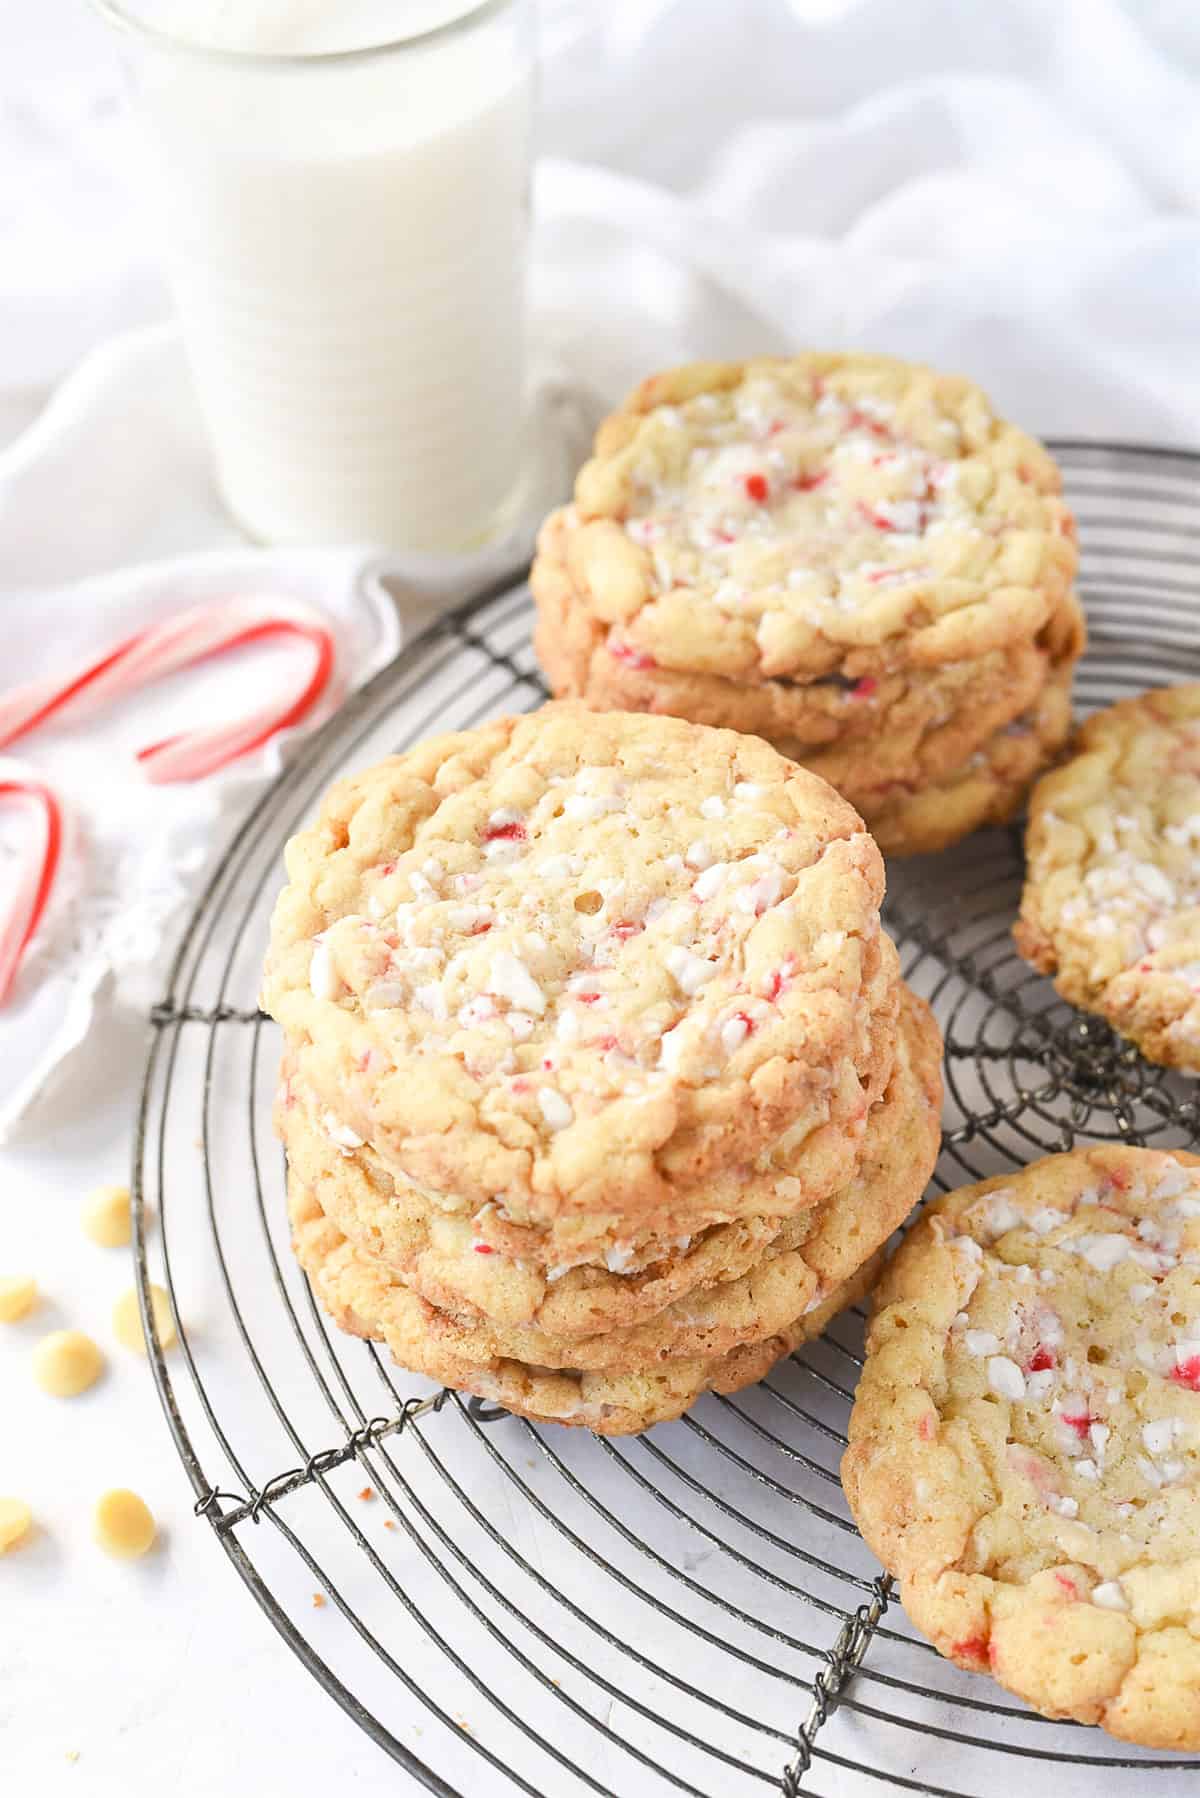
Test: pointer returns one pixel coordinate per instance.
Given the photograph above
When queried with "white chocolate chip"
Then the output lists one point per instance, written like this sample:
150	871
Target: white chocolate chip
690	972
432	1000
18	1296
617	1257
712	807
67	1363
324	980
981	1342
510	979
555	1110
16	1520
734	1032
1110	1596
1103	1252
699	856
1087	1469
710	881
1158	1436
385	995
127	1320
341	1135
1005	1378
521	1025
106	1217
122	1525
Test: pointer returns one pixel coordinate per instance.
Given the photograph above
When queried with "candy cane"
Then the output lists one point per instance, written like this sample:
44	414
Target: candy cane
38	872
191	636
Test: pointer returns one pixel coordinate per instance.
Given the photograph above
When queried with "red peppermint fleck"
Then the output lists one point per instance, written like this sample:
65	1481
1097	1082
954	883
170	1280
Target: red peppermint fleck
363	1061
1067	1584
384	869
743	1017
864	688
1079	1421
776	981
973	1649
504	833
520	1086
805	483
548	1062
1041	1359
605	1042
587	998
1143	967
875	518
621	651
624	929
483	1248
479	929
926	1428
1187	1373
859	421
756	488
723	536
1118	1177
774	428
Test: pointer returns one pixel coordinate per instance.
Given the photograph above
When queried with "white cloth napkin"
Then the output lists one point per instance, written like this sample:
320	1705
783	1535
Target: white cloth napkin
1010	190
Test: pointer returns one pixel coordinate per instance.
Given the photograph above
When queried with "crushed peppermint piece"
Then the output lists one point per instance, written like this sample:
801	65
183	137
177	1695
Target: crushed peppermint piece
554	1108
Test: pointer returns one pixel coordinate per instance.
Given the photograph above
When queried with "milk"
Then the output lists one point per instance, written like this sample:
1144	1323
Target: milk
346	242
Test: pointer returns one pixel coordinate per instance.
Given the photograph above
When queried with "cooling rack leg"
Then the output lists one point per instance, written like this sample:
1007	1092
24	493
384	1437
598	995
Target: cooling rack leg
845	1658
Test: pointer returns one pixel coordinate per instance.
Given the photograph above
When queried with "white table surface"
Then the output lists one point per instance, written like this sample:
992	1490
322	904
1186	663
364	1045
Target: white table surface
163	1676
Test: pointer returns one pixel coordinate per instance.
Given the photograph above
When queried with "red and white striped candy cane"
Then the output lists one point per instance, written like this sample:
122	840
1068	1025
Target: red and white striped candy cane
39	866
191	636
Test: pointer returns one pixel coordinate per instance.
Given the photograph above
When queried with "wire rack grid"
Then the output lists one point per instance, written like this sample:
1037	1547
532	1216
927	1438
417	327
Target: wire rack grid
540	1611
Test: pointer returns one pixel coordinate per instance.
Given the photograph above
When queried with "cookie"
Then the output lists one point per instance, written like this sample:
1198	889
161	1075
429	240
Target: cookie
592	963
1025	1442
989	789
734	1284
785	518
363	1302
1111	906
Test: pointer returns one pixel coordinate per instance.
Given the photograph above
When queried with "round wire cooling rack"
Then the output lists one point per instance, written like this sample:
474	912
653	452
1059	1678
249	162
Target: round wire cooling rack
523	1610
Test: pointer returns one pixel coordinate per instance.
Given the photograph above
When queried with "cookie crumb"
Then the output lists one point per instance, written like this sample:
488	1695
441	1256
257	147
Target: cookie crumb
318	1599
123	1524
106	1217
18	1296
66	1363
72	1755
389	1523
367	1494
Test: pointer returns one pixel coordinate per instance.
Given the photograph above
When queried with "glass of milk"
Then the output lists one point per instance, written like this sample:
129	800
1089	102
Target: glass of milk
343	188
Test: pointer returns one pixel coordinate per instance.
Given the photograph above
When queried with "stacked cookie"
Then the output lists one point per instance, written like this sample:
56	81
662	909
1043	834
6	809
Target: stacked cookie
848	555
600	1089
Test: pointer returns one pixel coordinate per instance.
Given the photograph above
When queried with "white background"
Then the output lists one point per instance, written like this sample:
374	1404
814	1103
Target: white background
1009	188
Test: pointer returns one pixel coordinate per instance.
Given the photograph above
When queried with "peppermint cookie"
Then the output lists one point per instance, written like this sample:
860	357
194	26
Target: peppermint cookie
823	549
1025	1443
1111	905
600	965
732	1284
363	1301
